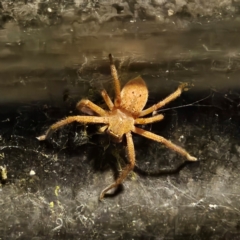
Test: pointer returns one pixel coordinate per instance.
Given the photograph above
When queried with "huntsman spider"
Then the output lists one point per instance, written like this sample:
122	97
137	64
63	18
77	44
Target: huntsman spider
124	113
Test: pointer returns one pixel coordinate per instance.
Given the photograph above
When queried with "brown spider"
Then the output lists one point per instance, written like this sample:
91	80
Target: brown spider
125	112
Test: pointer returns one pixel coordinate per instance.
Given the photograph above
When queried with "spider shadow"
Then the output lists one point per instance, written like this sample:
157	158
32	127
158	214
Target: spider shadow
104	155
113	158
164	171
143	173
111	162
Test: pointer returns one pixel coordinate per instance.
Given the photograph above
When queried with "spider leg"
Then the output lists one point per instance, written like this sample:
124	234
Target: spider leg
166	142
117	85
86	106
126	170
149	120
81	119
165	101
107	99
102	129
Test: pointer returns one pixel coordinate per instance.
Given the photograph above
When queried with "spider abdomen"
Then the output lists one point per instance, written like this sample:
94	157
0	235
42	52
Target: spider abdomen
134	96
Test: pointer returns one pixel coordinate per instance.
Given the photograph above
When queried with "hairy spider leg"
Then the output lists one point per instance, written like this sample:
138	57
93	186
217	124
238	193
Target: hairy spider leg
84	105
126	170
117	84
149	120
166	142
68	120
165	101
107	99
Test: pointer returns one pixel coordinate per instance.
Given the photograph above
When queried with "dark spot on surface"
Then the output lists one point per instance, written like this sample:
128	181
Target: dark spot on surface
118	7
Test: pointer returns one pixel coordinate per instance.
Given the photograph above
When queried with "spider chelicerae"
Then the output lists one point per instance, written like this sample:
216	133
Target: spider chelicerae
124	113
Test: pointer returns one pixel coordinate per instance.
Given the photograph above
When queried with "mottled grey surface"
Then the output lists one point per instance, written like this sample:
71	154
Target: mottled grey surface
53	53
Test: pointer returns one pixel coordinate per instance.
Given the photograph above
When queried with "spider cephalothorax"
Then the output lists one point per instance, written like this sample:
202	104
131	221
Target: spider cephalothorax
124	113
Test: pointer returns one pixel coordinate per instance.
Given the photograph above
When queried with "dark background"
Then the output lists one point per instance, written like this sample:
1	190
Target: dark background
53	53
